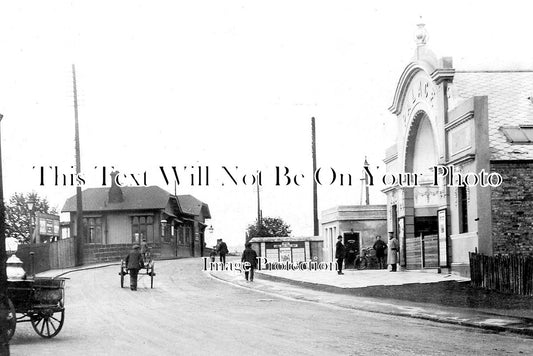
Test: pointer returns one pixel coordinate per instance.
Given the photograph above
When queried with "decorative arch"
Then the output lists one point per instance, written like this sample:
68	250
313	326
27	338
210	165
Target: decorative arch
420	125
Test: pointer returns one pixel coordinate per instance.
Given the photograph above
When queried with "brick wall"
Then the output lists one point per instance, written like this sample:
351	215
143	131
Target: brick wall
512	208
98	253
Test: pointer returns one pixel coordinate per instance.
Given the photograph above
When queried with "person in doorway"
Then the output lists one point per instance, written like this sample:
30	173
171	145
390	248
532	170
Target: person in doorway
394	249
134	262
250	256
340	253
222	251
144	249
380	246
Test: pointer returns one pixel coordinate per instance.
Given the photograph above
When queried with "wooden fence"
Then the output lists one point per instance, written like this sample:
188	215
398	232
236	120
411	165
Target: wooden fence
503	273
62	253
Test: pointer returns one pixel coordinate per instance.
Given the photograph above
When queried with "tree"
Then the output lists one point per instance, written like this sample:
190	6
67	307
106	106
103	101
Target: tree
269	227
18	214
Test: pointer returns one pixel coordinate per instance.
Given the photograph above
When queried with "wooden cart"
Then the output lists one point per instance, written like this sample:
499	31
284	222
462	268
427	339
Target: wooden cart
148	270
39	301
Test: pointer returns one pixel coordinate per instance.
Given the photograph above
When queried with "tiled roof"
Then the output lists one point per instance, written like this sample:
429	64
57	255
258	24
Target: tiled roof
508	93
191	205
135	198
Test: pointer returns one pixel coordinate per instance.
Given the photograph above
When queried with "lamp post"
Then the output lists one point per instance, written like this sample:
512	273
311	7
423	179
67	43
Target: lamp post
30	205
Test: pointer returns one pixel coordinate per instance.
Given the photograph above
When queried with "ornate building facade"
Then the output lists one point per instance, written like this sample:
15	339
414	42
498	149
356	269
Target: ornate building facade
475	124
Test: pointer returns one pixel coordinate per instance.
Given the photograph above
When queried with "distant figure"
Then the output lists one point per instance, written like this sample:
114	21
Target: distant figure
222	250
134	262
144	248
394	249
213	255
340	253
250	256
380	246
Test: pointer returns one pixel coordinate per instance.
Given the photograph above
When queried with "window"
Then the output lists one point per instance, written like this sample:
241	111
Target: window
463	209
142	227
188	235
180	235
93	229
518	134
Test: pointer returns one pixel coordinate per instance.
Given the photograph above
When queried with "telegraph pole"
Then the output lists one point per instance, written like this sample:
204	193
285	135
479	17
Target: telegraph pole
315	191
259	215
79	205
4	305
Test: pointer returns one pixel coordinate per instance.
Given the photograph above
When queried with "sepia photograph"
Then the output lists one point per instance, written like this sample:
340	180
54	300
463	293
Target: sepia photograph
234	177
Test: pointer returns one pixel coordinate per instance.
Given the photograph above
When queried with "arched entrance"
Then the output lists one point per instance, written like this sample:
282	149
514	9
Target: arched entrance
421	244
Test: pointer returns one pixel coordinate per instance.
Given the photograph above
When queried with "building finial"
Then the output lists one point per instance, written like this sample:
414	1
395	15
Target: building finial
421	34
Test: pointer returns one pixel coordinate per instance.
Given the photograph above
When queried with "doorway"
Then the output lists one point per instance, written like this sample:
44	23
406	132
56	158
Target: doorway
351	243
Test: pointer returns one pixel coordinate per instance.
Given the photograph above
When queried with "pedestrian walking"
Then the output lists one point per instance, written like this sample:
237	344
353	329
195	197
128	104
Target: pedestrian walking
340	253
394	249
380	247
134	262
222	250
250	256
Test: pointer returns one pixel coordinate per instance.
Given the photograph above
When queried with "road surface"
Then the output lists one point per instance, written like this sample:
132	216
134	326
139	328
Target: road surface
188	312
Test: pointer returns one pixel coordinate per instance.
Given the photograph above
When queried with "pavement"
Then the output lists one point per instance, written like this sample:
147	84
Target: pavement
442	298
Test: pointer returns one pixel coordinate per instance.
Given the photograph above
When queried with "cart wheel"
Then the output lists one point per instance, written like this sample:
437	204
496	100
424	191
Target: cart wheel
48	324
11	320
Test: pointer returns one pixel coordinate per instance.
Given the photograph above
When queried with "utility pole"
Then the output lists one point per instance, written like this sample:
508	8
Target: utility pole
364	184
5	311
259	214
79	205
315	189
367	190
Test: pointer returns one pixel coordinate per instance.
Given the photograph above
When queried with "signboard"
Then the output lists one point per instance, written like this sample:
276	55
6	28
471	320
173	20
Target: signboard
443	246
48	224
401	240
285	254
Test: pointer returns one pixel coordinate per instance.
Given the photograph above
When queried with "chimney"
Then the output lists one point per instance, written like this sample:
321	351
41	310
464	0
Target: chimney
115	193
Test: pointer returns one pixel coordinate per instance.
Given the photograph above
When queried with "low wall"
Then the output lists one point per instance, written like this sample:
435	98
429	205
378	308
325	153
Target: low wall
98	253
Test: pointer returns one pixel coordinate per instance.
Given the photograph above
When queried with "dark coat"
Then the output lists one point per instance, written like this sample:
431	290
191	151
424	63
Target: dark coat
249	255
134	260
340	251
222	248
380	246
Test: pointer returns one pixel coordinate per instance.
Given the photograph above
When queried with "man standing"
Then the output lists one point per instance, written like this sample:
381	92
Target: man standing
134	262
394	249
222	250
380	248
340	253
250	256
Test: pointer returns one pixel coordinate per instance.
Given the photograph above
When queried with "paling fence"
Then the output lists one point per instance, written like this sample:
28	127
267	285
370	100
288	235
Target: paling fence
503	273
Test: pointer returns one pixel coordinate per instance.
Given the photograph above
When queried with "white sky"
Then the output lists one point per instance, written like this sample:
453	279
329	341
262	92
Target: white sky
232	83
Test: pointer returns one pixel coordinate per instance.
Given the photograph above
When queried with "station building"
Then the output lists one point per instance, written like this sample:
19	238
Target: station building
473	120
115	218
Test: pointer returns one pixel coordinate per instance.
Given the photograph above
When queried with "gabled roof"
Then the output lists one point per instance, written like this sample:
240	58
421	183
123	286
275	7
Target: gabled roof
193	206
135	198
509	94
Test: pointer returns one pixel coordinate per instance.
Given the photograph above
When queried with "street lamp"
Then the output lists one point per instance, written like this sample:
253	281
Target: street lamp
210	229
31	205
